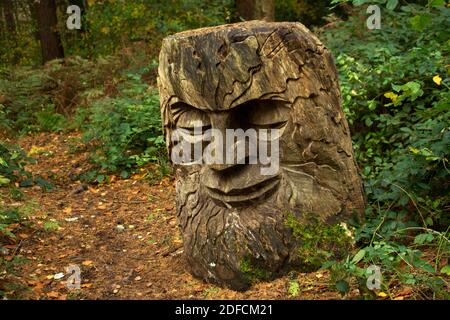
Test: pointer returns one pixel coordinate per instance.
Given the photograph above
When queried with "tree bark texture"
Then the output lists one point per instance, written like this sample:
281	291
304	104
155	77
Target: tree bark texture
51	46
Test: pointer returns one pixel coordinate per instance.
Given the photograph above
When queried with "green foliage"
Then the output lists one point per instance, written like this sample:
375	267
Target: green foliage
126	131
399	265
49	120
252	271
108	26
308	12
116	110
109	22
394	83
8	217
294	288
317	241
12	169
51	225
13	220
43	99
12	163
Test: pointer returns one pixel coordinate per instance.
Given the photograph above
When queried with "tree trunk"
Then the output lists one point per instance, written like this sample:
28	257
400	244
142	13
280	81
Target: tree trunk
51	45
2	23
8	10
34	18
256	9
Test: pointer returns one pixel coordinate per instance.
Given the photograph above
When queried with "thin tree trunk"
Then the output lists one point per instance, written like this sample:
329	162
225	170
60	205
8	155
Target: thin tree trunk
8	9
2	23
34	19
51	45
256	9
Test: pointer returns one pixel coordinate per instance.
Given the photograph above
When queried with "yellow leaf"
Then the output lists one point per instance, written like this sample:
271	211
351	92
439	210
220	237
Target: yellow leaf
391	95
53	294
35	150
87	263
93	190
382	294
437	79
67	210
104	30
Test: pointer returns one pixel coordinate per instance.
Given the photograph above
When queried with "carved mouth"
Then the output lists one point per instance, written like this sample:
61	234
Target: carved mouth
245	194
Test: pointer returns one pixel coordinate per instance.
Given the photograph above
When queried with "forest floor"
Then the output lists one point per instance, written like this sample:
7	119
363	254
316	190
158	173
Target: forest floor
122	235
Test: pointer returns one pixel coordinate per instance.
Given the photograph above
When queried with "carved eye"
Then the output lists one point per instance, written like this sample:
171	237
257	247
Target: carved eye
268	114
188	117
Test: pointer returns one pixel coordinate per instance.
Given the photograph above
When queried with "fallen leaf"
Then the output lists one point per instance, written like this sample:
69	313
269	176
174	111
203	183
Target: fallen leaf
93	190
53	294
405	291
87	263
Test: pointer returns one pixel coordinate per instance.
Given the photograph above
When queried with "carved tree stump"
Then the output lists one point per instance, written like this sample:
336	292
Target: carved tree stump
256	75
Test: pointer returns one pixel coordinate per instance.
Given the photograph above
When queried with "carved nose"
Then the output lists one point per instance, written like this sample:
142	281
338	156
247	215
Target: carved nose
222	121
221	167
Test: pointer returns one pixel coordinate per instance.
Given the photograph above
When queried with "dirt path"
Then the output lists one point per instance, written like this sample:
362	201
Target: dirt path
142	260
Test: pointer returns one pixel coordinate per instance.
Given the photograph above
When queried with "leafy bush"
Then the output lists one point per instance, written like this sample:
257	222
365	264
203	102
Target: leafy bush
126	131
42	99
394	83
12	169
12	163
318	242
108	26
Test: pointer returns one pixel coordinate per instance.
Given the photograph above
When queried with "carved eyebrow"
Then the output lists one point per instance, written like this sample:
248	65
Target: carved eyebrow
179	107
267	112
187	114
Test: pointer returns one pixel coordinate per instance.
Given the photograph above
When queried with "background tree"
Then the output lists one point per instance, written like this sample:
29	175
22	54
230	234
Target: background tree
51	45
256	9
8	11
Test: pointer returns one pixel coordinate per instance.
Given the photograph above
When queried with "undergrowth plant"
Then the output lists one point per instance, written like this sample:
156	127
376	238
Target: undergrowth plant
395	88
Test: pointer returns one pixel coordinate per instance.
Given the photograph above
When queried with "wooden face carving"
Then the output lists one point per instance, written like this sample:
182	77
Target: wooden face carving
254	77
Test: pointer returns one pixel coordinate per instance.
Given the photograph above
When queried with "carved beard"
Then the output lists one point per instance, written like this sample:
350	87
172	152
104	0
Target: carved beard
218	236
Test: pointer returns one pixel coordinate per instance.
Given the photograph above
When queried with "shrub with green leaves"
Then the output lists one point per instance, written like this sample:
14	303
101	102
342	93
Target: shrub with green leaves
395	88
126	131
12	164
12	169
43	99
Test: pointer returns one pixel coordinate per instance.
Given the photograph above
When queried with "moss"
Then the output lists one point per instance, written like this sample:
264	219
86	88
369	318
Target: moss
252	272
317	241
